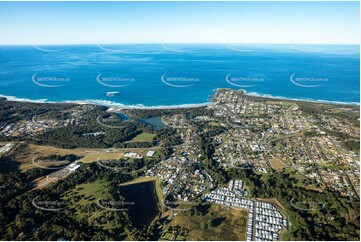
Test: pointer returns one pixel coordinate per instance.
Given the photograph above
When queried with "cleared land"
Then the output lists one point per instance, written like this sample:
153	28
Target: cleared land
228	224
143	137
89	158
301	182
42	182
24	153
84	198
139	180
88	191
277	164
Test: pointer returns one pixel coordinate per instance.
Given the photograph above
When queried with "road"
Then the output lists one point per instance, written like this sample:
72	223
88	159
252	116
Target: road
347	176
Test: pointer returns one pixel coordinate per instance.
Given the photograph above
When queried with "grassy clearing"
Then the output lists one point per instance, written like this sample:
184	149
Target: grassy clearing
24	153
43	182
85	196
231	224
167	236
29	166
180	238
143	137
89	158
89	192
277	164
139	180
301	183
212	123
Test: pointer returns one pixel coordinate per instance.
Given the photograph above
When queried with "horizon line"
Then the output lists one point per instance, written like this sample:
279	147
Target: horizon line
175	43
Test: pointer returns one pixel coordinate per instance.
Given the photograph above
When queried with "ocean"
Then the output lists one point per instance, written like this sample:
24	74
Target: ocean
159	75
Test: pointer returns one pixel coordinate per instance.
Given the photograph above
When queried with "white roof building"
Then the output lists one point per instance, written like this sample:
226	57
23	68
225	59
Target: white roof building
150	153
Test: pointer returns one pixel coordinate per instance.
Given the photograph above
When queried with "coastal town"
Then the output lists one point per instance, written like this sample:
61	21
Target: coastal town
259	135
274	135
42	122
179	180
180	120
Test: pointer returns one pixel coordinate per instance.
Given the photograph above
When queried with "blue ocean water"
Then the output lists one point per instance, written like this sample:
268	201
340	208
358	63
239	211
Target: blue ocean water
171	75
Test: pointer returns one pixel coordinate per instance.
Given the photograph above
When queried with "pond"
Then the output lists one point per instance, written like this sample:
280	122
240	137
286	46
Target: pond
123	116
144	198
155	122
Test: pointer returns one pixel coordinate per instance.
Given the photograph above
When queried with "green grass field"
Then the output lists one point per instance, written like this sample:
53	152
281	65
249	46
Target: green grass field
180	238
167	236
212	123
95	190
89	158
143	137
84	196
277	164
25	153
301	179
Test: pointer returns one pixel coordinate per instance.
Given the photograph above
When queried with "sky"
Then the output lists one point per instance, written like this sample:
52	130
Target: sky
179	22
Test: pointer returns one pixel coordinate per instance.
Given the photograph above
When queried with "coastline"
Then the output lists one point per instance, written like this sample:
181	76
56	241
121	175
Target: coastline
320	101
106	103
119	106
